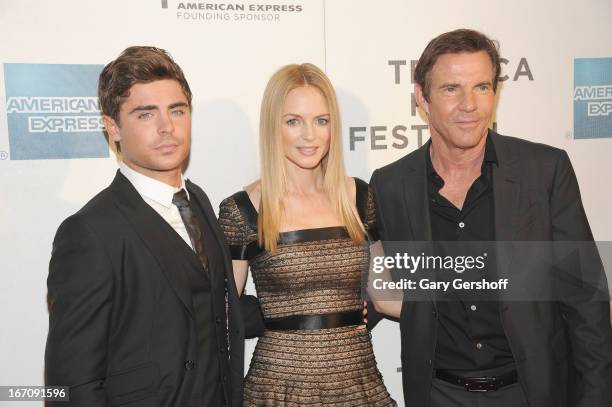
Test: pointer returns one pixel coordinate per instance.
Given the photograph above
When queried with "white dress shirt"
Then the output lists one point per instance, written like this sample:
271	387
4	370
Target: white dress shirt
159	197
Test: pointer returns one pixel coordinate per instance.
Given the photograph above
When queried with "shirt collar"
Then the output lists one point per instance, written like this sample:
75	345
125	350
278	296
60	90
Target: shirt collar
490	154
150	188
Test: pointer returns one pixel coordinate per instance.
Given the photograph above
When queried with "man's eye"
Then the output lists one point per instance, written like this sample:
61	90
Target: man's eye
145	115
178	112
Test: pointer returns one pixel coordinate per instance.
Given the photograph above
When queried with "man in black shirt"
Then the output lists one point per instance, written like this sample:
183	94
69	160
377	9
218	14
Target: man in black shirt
470	335
470	184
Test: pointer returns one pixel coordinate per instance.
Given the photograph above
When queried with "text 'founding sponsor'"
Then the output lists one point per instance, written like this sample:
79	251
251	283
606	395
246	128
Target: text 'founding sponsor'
235	12
64	113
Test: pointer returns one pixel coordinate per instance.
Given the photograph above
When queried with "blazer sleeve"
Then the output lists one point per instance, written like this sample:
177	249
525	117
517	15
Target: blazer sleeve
80	303
588	318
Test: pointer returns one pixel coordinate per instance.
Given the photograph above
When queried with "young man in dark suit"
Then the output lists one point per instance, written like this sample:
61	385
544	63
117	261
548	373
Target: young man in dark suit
143	309
470	184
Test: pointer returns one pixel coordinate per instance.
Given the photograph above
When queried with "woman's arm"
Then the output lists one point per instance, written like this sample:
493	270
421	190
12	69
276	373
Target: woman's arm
241	270
385	302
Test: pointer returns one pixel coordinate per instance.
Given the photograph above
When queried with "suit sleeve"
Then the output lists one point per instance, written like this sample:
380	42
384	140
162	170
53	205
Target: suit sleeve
587	317
80	301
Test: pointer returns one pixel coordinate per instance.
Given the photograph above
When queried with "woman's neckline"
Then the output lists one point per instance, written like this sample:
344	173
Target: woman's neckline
256	213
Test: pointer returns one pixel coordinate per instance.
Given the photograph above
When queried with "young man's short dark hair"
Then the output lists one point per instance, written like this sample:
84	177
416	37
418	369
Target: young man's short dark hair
137	64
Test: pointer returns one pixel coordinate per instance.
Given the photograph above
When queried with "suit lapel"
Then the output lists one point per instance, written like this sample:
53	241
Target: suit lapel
196	198
226	266
159	238
506	190
210	216
415	196
416	199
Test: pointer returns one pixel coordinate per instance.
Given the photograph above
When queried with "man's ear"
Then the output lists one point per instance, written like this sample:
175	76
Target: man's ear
112	128
420	98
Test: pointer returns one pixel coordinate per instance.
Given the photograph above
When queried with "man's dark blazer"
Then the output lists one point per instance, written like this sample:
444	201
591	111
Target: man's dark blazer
536	198
121	319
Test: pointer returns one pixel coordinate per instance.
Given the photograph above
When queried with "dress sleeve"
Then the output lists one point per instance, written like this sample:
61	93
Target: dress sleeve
370	218
366	207
240	235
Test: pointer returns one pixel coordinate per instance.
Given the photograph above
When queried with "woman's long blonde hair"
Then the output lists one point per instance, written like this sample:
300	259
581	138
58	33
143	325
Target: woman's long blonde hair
273	173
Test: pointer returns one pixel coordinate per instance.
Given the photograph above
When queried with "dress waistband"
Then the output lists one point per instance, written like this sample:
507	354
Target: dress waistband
322	321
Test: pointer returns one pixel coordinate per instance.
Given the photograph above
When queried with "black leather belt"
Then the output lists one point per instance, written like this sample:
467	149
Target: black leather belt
323	321
479	384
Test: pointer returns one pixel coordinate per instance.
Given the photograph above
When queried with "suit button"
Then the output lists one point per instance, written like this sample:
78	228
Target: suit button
217	320
429	362
189	365
225	379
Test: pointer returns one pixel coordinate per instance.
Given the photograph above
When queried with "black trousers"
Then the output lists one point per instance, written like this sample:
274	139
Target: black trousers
444	394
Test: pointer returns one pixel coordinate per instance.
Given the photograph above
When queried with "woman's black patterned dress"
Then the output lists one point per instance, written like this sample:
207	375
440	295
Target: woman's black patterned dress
312	272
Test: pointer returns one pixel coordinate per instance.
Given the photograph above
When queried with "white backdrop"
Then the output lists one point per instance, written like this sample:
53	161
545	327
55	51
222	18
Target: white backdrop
366	47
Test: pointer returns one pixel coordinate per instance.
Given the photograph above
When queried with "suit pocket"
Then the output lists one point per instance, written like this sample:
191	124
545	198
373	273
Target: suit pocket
134	384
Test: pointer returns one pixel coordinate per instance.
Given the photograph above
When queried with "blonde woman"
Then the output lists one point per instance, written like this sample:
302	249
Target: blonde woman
302	230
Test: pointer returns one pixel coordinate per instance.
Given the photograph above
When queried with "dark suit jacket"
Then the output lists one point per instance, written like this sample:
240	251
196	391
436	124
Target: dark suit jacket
121	325
536	198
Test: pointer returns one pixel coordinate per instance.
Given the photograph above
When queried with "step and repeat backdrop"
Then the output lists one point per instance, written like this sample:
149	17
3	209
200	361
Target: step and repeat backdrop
556	89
